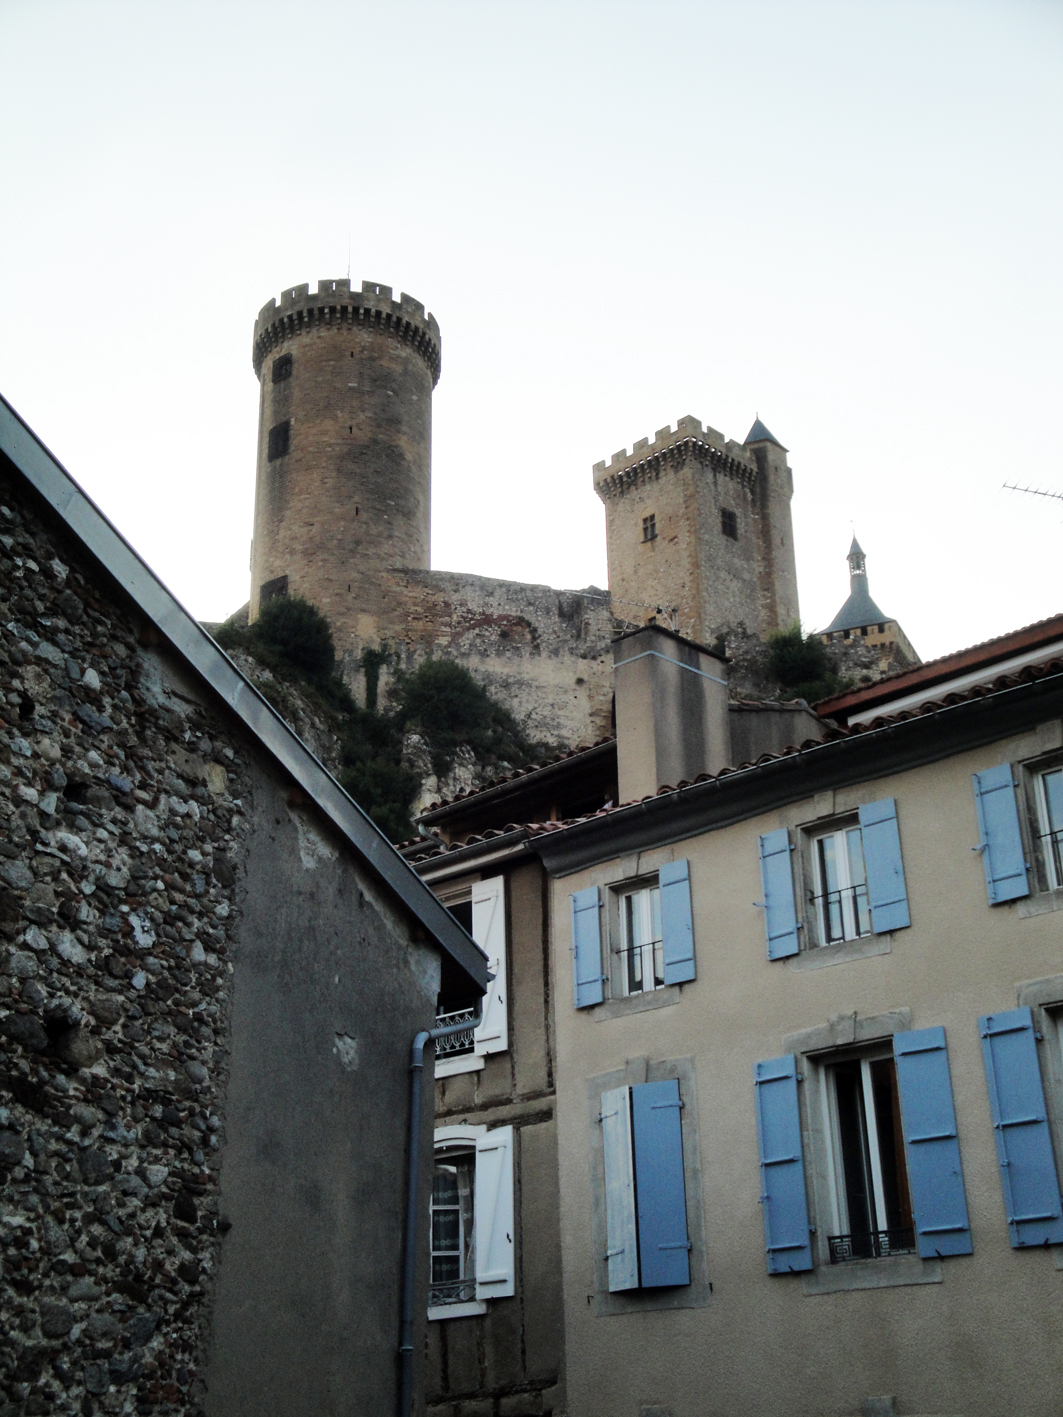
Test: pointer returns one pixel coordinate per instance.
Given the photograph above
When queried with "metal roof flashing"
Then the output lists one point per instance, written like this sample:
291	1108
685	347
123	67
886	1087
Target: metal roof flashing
31	461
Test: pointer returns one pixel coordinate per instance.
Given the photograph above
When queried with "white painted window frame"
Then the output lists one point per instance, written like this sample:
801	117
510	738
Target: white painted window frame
652	950
1044	825
450	1139
850	919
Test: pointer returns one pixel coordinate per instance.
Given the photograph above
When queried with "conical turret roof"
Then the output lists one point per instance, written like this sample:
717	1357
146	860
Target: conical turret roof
759	433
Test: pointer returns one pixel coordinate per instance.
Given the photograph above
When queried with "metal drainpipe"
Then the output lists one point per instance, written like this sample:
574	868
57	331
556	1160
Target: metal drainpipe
413	1173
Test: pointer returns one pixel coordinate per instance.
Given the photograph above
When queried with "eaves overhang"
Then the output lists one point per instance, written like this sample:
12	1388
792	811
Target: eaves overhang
31	462
843	762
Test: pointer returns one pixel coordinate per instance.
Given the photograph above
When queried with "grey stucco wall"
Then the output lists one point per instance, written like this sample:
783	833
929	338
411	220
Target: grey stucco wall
328	991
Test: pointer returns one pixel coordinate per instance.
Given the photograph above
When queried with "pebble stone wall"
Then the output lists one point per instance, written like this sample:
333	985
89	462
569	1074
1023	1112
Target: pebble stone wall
120	829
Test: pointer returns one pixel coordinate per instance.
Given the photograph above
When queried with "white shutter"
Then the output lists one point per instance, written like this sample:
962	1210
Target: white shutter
493	1203
621	1249
489	932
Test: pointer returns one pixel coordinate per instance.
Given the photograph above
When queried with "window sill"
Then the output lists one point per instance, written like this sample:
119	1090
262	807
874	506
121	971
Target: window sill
637	1003
822	956
1043	903
871	1274
466	1063
468	1310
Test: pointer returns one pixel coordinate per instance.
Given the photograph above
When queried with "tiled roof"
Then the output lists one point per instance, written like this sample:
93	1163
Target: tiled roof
957	661
529	771
1028	675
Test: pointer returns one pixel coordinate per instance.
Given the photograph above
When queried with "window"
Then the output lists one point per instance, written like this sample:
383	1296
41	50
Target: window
729	523
840	891
650	933
483	914
640	959
471	1238
648	1245
453	1278
1049	795
649	527
282	368
853	879
270	589
887	1149
278	441
872	1204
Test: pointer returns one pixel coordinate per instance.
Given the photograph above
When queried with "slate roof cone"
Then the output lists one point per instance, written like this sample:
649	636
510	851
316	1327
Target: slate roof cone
859	609
759	433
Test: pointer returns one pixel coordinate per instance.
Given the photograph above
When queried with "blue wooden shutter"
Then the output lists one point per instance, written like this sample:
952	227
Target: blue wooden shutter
1020	1128
780	917
677	926
1003	856
882	861
664	1248
782	1167
935	1173
586	947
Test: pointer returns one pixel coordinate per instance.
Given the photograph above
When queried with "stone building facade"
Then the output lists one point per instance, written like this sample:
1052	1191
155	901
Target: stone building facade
698	526
205	952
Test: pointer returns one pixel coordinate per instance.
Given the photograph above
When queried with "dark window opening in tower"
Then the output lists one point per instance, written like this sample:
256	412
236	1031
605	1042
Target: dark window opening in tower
271	589
282	368
729	523
649	527
278	441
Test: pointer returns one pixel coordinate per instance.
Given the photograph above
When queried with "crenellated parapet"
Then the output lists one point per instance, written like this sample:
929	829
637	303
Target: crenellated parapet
336	305
647	460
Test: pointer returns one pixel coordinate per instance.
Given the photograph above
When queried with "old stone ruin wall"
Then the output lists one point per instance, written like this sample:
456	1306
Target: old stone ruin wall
124	809
545	654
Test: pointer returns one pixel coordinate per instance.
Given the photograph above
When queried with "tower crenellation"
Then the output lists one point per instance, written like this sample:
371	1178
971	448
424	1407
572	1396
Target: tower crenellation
336	304
698	525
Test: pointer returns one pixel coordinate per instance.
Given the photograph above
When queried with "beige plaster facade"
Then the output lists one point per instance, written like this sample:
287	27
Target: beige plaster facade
979	1334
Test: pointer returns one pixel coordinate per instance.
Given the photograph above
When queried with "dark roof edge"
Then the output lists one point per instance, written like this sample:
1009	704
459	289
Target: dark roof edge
509	785
106	545
839	762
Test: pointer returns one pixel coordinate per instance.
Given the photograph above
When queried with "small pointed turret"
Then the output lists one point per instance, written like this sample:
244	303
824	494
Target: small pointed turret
761	434
859	610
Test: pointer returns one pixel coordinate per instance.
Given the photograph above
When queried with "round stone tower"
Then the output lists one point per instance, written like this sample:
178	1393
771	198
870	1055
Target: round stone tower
343	488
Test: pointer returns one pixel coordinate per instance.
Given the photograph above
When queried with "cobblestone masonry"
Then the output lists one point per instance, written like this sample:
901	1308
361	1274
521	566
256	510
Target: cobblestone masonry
121	845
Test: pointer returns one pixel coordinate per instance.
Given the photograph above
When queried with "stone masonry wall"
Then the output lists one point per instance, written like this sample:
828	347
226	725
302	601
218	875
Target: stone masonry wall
546	654
123	810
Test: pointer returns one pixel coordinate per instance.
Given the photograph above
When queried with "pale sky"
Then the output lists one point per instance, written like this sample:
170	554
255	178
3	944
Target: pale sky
845	217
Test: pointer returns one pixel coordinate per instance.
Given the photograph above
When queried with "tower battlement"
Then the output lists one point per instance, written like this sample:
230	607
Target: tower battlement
336	304
690	439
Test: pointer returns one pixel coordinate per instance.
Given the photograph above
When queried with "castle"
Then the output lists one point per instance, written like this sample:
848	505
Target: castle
698	526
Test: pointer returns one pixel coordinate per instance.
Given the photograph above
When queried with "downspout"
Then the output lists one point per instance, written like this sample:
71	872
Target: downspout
413	1175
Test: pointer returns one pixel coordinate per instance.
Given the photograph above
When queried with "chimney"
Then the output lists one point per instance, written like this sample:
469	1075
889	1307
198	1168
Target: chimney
671	710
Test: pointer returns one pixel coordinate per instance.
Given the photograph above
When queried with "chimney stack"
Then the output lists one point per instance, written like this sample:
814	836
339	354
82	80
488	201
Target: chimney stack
672	718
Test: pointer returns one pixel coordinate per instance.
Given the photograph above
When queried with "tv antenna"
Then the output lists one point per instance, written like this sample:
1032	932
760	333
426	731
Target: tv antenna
1033	491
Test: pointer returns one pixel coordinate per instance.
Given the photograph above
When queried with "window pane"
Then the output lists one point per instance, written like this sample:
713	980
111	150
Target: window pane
655	913
891	1153
1054	799
445	1269
829	891
445	1186
858	880
855	1162
446	1230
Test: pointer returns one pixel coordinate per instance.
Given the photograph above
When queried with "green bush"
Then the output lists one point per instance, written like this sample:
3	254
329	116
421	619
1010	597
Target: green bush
801	665
442	701
291	627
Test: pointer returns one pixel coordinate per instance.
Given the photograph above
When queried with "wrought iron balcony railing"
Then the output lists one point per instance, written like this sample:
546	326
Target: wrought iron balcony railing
456	1043
872	1245
453	1291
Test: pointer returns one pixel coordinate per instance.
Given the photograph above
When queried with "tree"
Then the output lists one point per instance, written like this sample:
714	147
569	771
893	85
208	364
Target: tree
802	665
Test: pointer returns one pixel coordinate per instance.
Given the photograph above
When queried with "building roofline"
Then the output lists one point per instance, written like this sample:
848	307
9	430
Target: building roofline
42	472
879	749
502	787
936	671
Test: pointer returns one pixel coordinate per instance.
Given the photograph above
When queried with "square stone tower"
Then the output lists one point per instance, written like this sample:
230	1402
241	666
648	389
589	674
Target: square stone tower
698	529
